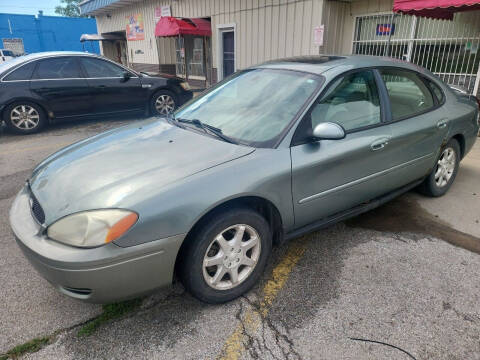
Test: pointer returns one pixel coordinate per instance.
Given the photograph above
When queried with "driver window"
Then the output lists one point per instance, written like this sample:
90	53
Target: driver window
351	101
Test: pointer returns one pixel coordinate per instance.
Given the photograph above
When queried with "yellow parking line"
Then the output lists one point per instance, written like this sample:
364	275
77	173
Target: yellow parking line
234	346
39	147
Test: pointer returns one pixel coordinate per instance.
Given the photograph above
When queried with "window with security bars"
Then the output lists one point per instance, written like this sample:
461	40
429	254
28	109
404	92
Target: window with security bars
450	49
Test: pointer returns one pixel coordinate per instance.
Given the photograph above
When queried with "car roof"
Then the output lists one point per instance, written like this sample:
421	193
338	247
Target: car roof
13	63
319	64
39	55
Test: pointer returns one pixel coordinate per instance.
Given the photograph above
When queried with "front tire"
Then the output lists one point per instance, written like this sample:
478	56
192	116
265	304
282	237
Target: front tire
24	117
226	256
444	172
163	103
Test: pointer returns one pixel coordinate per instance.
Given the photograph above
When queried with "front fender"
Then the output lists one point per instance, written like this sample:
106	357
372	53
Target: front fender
265	173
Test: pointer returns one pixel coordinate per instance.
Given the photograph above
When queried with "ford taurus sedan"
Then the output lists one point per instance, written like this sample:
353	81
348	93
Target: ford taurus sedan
55	86
273	152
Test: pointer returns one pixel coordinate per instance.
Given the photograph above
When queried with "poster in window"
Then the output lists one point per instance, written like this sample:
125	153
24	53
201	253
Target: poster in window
135	28
385	29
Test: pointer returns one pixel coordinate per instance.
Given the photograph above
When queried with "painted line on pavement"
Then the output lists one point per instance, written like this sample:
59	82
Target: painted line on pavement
234	346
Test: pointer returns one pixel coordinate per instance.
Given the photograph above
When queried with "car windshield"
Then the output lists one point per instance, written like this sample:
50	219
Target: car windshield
255	106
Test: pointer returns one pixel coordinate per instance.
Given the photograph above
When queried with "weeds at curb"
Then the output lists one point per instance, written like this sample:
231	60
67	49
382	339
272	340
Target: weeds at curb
110	311
29	347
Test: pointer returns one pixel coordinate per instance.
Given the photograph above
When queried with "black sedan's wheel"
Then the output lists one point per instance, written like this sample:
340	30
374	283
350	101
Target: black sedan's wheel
444	172
226	256
24	117
163	102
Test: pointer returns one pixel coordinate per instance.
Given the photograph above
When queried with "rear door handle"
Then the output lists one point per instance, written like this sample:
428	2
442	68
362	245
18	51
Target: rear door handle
379	144
442	124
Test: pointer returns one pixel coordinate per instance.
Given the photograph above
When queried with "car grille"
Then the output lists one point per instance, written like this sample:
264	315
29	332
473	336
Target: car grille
37	210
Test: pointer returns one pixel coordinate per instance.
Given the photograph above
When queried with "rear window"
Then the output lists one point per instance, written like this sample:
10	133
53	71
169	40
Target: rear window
22	73
437	92
7	53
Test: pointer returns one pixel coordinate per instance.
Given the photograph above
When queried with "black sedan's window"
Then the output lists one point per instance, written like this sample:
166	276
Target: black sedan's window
57	68
96	68
22	73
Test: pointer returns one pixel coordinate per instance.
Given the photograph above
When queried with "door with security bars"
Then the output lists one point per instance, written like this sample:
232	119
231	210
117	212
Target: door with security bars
448	48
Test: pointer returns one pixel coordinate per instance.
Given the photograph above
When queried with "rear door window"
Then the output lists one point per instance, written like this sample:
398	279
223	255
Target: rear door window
408	93
22	73
58	68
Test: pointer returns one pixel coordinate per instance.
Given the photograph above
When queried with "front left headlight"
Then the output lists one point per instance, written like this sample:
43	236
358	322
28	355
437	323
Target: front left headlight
92	228
185	86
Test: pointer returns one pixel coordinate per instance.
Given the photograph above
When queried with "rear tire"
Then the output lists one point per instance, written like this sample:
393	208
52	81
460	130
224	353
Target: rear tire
226	256
163	103
24	117
444	171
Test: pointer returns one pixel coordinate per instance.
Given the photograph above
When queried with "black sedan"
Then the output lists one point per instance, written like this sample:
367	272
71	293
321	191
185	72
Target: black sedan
41	88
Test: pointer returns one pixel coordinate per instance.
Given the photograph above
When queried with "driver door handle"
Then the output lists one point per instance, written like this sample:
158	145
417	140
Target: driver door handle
379	144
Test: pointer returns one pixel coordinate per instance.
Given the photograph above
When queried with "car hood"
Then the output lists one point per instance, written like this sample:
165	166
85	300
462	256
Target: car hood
112	169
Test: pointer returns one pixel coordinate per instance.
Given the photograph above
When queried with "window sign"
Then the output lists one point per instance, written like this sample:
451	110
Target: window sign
15	45
135	28
318	35
385	29
162	11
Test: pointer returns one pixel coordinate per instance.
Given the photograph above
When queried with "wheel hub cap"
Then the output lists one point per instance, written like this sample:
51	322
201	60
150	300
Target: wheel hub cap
164	104
231	257
24	117
445	167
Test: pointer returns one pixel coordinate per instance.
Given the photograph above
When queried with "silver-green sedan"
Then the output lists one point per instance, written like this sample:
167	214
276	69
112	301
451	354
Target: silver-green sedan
273	152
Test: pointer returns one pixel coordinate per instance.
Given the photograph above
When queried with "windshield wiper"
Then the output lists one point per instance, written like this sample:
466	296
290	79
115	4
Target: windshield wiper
207	129
172	120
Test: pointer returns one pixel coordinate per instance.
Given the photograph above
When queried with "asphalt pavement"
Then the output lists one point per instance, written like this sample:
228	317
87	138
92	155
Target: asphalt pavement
395	283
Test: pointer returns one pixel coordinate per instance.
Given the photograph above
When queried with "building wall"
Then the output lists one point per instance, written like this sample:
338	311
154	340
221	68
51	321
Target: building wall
265	29
47	33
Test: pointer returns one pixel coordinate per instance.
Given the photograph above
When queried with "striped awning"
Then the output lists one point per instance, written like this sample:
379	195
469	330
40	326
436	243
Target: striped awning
436	9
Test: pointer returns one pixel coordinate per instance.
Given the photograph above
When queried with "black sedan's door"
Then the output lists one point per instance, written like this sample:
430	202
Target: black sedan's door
59	82
113	91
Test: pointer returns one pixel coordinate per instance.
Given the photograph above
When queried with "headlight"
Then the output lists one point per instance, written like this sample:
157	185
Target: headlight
185	86
92	228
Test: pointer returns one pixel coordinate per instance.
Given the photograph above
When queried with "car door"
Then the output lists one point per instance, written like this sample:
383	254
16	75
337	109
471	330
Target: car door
419	123
113	92
59	82
329	176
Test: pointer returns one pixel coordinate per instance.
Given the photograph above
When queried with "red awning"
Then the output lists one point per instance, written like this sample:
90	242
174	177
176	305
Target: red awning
170	26
436	9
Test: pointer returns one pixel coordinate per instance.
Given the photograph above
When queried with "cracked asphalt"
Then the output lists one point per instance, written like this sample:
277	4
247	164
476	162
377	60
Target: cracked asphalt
399	282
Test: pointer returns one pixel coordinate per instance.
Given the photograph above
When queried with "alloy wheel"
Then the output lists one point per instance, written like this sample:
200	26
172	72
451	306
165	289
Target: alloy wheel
24	117
164	104
231	257
445	167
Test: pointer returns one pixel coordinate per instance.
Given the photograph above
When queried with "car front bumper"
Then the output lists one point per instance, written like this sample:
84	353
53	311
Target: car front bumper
99	275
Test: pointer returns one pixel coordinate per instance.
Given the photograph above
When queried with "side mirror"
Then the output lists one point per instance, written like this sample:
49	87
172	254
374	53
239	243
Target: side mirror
126	76
328	131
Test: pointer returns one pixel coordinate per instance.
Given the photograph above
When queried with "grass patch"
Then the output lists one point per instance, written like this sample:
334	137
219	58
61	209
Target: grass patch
110	311
28	347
